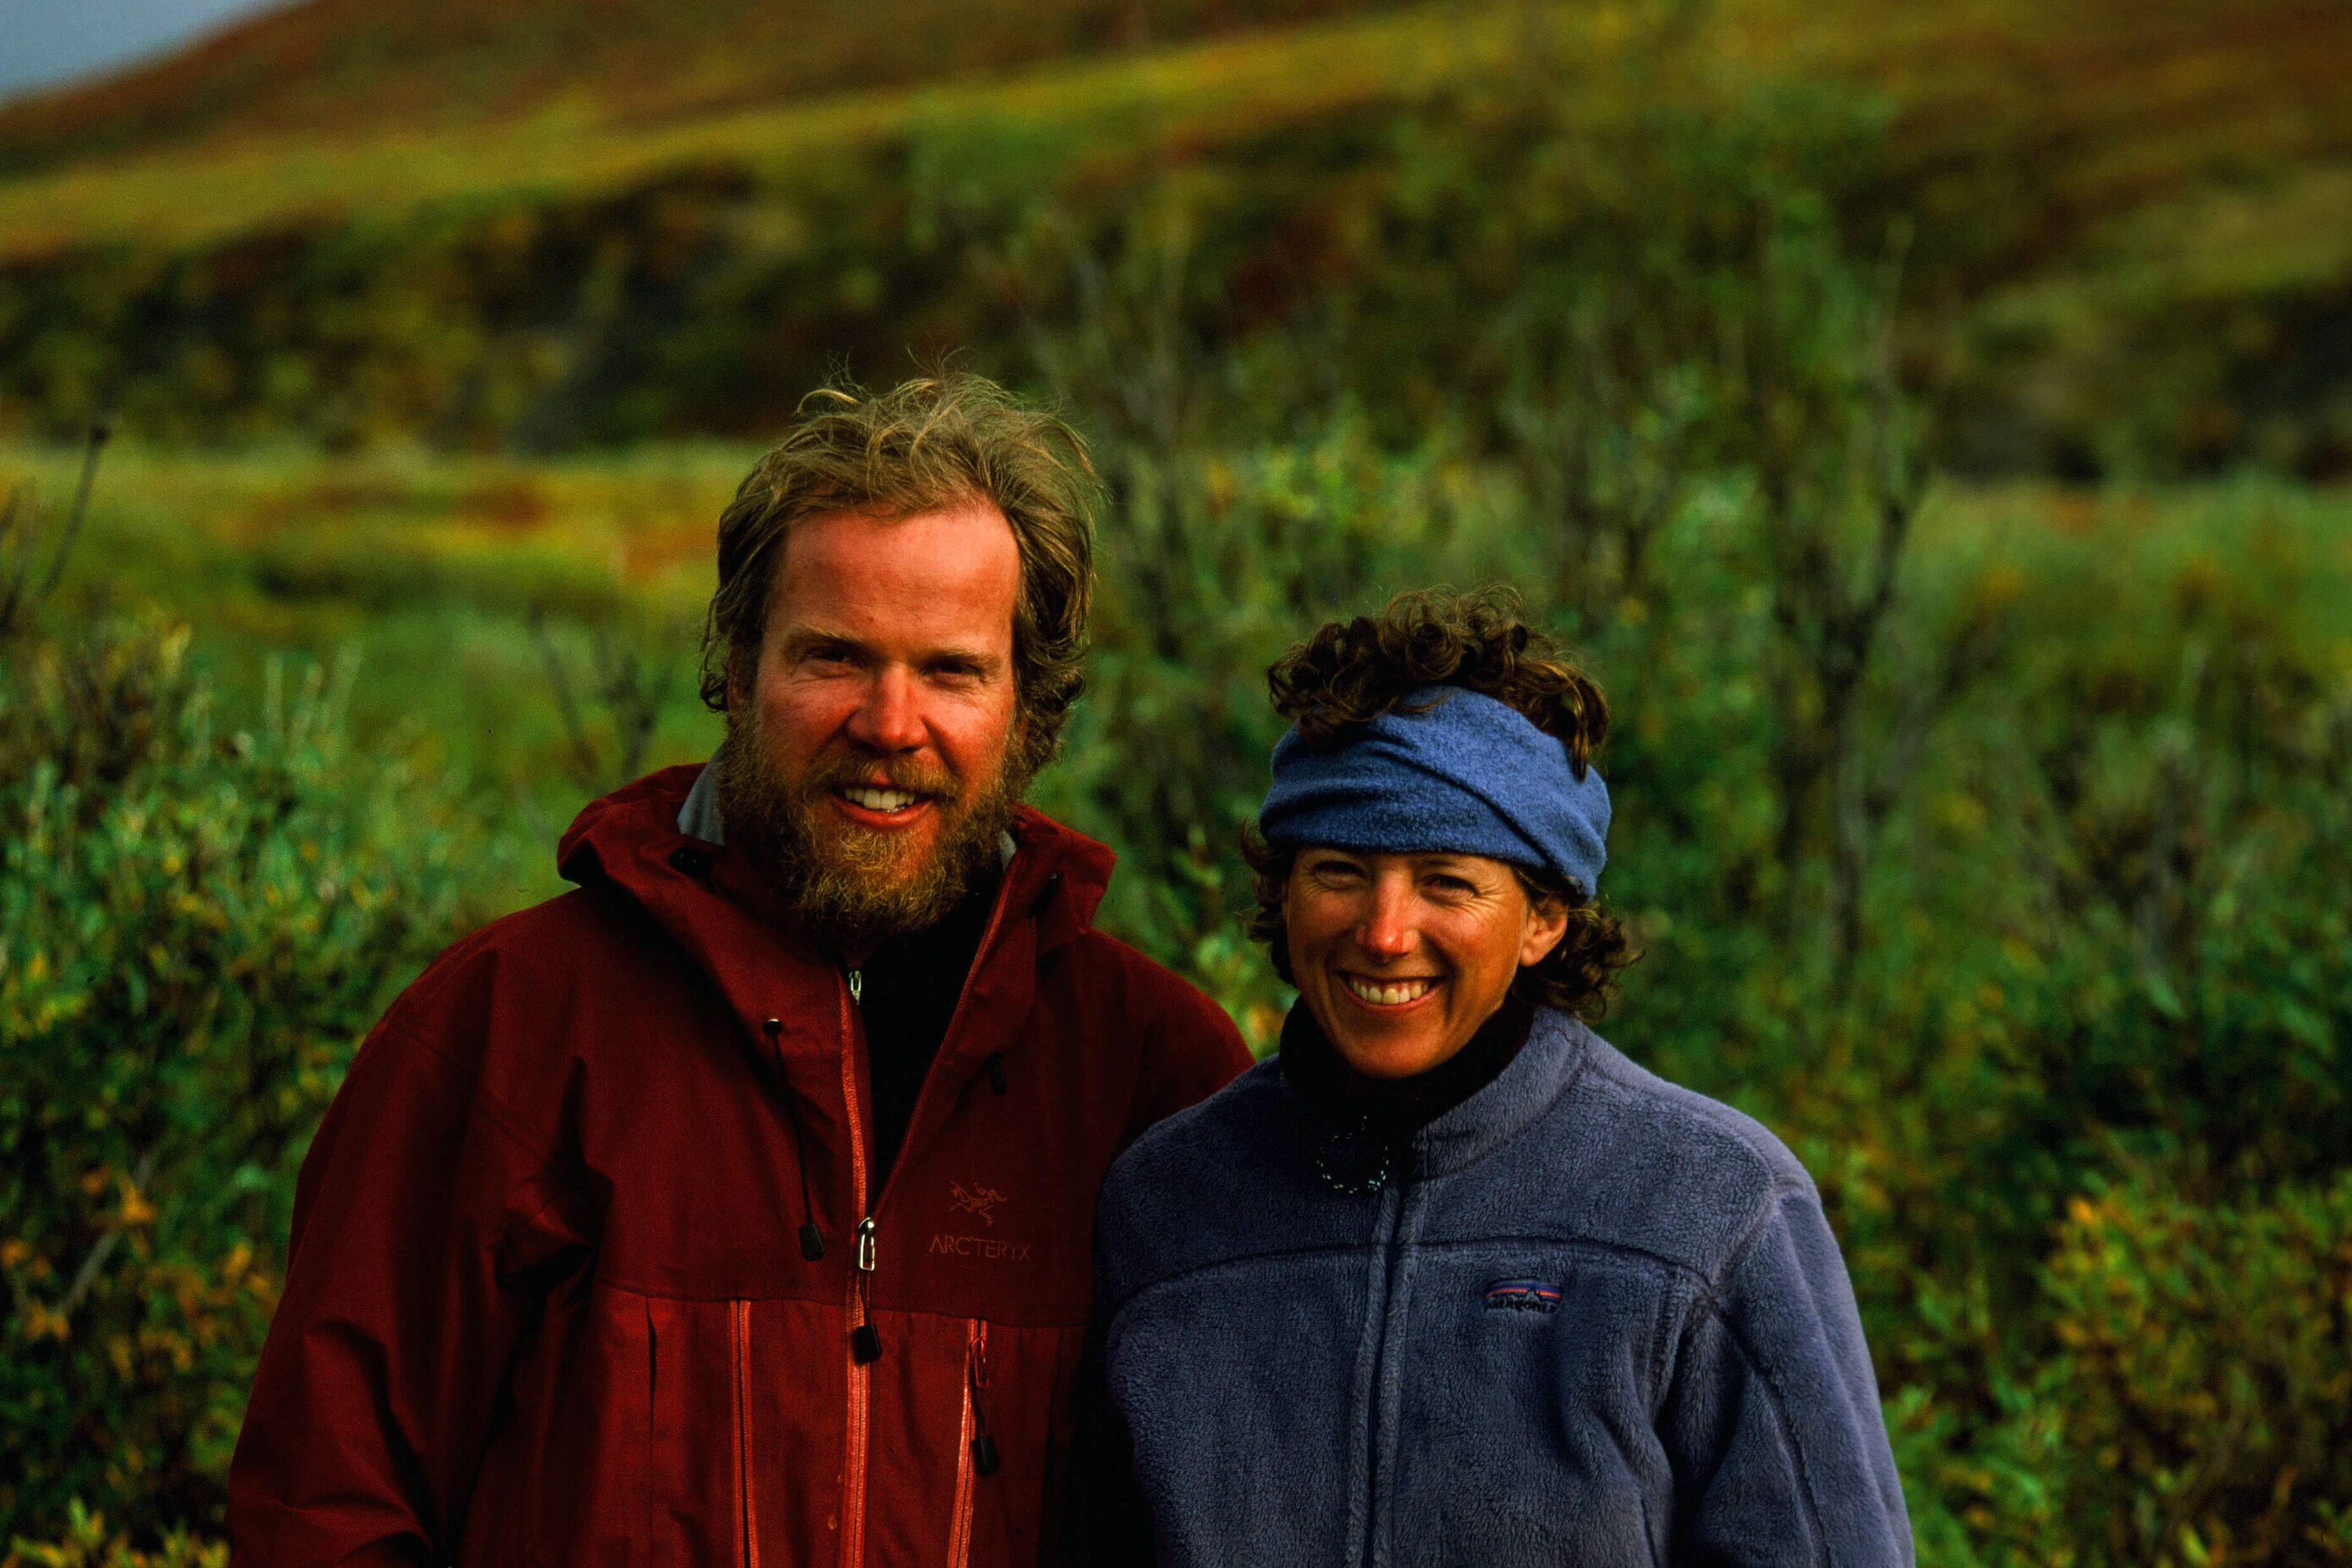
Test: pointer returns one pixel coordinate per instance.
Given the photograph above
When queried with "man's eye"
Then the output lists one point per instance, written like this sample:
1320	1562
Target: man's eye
1453	887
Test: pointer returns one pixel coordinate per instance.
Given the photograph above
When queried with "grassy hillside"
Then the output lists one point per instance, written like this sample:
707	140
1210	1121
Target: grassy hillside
352	69
2129	225
584	142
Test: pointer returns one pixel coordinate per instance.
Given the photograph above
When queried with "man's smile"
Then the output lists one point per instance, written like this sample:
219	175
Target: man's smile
881	800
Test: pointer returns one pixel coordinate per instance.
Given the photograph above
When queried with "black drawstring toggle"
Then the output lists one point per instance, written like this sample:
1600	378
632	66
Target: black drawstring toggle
985	1457
812	1238
1044	895
995	1065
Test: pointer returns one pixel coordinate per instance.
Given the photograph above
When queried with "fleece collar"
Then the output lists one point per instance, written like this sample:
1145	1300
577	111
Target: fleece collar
1311	1065
1556	1049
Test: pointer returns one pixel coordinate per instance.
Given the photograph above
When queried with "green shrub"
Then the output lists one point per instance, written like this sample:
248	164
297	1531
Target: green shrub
2199	1408
87	1543
197	926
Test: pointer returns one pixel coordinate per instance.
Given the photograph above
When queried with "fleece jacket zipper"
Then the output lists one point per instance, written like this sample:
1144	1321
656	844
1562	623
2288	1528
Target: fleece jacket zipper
1371	1416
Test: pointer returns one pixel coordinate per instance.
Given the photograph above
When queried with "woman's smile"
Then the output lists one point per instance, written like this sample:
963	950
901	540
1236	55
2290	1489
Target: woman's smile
1386	994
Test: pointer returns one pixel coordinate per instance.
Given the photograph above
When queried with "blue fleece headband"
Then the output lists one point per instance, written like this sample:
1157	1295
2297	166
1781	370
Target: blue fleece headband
1467	776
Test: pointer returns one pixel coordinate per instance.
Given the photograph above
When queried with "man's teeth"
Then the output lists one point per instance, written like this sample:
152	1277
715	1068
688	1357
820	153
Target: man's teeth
1390	995
878	799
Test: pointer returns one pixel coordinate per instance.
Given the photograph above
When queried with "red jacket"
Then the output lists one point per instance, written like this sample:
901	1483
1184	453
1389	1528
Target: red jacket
547	1301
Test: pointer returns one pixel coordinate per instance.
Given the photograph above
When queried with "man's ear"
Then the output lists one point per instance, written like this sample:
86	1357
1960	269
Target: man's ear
739	681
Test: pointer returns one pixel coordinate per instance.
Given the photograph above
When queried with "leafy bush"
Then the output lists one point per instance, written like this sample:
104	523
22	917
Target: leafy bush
2204	1385
197	926
87	1543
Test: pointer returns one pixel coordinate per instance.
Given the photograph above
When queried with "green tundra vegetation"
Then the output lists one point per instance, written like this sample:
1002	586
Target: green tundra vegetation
1923	424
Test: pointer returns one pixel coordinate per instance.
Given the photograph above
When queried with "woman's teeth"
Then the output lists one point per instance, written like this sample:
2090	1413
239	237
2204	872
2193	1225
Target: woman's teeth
1389	995
878	799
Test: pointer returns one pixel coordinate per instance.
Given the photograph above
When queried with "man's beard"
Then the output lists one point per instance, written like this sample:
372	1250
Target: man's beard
851	886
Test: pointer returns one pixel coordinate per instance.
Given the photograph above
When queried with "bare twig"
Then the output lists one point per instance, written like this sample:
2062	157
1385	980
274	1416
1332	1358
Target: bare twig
86	1277
567	705
15	526
101	430
624	686
17	531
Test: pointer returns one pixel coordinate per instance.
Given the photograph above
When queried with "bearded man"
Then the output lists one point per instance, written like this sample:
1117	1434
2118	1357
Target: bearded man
737	1204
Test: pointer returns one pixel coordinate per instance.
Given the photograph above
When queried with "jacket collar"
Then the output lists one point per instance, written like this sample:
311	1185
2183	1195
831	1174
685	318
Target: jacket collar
1556	1049
736	929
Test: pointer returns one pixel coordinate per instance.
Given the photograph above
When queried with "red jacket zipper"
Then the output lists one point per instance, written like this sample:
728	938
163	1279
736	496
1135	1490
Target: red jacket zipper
864	1342
853	1471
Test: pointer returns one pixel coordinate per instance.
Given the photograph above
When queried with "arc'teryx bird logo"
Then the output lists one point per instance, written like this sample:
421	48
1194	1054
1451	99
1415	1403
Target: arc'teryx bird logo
976	1200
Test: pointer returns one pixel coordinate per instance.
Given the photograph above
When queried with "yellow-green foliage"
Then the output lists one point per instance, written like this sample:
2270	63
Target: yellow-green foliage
2204	1380
87	1544
197	923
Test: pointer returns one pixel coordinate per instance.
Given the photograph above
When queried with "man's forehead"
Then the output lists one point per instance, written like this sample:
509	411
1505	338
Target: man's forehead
948	577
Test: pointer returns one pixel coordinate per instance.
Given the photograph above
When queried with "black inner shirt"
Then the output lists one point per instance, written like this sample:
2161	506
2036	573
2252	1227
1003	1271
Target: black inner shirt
907	994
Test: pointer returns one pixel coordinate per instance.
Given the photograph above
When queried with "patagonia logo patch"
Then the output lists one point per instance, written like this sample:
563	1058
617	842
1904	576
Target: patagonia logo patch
1521	1296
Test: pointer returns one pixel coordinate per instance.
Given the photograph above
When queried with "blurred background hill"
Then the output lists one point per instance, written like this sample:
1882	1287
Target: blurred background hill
549	224
1929	422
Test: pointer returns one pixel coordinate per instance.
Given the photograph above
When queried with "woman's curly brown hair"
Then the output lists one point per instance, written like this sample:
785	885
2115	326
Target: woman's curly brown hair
1350	672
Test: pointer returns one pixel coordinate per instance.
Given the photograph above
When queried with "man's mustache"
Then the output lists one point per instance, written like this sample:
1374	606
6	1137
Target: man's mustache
905	773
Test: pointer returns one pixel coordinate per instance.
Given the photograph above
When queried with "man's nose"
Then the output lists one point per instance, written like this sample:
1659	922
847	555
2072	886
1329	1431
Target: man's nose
888	718
1387	932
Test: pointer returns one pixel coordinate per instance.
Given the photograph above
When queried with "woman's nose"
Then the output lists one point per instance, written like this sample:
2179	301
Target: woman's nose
1387	930
888	718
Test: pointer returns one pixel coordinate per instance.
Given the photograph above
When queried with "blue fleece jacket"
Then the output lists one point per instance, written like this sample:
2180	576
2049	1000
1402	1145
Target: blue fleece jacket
1599	1321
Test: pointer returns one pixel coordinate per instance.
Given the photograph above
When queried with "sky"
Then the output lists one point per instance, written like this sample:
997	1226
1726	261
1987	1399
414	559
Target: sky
49	42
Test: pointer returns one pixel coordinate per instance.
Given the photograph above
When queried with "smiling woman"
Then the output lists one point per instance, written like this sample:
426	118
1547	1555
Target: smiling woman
1408	885
1484	1290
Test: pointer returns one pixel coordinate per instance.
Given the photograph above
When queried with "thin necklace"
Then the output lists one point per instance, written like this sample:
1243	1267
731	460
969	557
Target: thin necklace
1383	1164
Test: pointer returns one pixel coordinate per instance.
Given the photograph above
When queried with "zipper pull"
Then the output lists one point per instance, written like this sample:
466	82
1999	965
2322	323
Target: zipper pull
984	1456
865	1340
857	986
